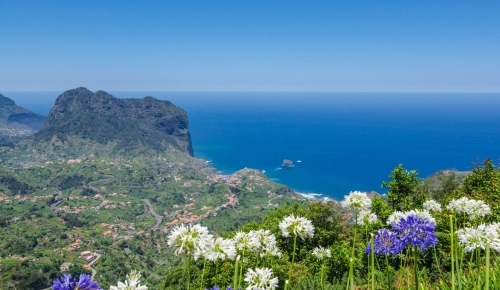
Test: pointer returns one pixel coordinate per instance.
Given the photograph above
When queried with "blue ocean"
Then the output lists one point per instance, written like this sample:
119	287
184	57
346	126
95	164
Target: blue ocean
339	142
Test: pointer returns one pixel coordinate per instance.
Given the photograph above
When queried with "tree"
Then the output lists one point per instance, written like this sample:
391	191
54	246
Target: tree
403	193
484	184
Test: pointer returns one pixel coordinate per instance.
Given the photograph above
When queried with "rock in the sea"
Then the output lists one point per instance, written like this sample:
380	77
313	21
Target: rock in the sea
287	163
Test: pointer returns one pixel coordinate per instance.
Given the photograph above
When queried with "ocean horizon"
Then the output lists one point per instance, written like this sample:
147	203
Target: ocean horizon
339	142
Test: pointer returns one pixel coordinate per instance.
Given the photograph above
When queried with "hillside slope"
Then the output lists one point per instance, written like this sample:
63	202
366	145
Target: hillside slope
17	122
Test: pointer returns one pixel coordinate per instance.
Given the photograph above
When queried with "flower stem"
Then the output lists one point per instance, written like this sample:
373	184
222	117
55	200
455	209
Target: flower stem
487	285
437	262
351	263
216	271
293	261
415	268
351	273
189	270
241	268
203	272
387	272
373	262
321	274
452	254
235	275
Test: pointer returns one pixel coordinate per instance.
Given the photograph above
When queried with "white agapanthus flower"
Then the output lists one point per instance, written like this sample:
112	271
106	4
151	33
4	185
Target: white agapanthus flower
477	208
245	242
474	208
265	242
296	226
477	238
131	283
458	205
322	253
192	239
366	218
221	249
261	279
432	205
357	200
396	216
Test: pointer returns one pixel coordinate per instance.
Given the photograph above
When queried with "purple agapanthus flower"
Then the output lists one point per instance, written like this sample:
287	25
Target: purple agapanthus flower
417	232
83	283
385	242
213	288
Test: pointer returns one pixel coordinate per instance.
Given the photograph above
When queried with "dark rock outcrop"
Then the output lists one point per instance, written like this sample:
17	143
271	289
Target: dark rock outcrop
123	124
287	163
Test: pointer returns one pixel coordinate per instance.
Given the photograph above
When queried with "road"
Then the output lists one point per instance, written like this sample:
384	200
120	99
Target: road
159	218
94	272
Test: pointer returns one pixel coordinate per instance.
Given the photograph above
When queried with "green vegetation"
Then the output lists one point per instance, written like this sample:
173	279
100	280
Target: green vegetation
450	265
33	231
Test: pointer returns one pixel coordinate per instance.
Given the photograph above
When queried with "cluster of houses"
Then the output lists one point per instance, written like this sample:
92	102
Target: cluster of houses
105	203
22	198
114	231
188	217
75	245
87	256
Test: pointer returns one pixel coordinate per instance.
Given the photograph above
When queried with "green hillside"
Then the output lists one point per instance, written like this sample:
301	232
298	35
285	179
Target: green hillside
114	176
17	122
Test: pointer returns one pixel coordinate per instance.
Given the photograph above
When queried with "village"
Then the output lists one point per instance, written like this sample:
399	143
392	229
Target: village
179	213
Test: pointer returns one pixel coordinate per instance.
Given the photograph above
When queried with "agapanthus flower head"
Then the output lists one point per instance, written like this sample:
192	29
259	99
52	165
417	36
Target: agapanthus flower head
366	217
432	205
265	243
477	238
297	226
458	205
477	208
244	241
131	282
261	279
321	253
416	231
385	242
84	282
194	239
221	249
396	216
357	200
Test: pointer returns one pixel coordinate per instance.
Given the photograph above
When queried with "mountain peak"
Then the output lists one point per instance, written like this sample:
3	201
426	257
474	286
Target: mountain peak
119	124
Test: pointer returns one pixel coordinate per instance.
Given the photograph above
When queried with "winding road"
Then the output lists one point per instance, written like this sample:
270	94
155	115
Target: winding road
159	218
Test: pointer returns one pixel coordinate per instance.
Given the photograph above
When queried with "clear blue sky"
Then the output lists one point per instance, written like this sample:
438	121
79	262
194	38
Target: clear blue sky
361	46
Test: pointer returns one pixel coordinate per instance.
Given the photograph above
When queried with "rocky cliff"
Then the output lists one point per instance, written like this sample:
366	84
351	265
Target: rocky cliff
120	124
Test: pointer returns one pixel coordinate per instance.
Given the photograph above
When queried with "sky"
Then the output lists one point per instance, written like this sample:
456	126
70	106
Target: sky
322	46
